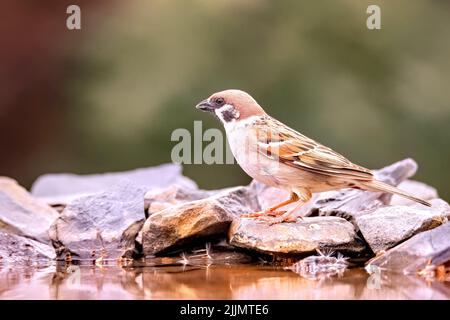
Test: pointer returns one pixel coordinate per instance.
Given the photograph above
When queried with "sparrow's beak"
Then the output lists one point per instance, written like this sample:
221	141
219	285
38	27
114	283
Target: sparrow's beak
205	106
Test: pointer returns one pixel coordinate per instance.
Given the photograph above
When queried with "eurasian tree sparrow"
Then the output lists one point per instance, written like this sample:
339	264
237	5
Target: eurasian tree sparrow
278	156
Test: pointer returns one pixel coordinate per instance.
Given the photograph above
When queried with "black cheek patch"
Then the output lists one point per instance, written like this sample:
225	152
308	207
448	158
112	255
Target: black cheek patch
228	115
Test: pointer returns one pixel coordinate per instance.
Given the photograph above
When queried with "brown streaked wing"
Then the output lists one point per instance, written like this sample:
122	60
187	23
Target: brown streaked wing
277	141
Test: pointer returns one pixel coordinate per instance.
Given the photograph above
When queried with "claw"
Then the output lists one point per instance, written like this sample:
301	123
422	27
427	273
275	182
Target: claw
265	213
283	219
278	219
276	213
253	214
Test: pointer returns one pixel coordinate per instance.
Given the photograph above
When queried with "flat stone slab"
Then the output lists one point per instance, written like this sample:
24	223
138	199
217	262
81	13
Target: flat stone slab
22	214
387	226
415	253
178	225
62	188
303	236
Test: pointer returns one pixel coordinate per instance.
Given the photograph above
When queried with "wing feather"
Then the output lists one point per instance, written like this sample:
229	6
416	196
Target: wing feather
277	141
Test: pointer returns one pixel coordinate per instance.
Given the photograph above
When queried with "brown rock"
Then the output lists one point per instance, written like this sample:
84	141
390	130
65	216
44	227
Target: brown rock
157	200
199	219
22	214
303	236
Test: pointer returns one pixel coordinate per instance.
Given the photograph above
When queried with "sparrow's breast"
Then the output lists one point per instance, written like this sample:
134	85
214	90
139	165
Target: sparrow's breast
243	144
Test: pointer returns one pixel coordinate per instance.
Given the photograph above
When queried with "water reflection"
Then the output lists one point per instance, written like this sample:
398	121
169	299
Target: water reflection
206	282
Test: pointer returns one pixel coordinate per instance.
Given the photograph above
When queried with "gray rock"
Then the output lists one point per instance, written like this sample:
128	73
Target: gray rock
100	225
19	250
387	226
210	217
303	236
22	214
415	253
416	188
351	203
62	188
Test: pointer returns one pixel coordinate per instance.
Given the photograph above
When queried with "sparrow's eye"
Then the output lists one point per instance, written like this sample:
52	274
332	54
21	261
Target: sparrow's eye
219	101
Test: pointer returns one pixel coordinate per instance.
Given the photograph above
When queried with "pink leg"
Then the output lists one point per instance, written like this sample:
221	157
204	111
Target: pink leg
289	216
272	211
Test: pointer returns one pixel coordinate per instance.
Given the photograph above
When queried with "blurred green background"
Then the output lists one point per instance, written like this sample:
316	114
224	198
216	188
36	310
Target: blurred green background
134	72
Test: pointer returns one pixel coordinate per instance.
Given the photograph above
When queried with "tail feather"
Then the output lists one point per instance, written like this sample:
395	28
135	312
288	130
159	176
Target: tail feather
384	187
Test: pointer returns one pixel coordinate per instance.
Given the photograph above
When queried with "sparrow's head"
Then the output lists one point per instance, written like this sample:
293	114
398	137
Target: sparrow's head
231	105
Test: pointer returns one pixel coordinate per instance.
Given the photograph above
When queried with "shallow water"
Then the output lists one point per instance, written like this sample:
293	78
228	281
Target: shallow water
207	282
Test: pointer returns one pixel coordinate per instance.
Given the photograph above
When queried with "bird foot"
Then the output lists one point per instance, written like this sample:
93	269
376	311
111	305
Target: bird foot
262	214
279	219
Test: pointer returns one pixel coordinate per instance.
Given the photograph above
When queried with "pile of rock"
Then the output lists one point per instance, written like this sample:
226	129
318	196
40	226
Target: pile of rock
157	212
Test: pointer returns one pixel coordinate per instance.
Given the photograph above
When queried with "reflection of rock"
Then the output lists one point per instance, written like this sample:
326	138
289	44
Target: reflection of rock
62	188
320	266
245	283
21	214
350	203
303	236
203	257
25	281
392	286
417	289
103	224
183	223
416	188
287	285
387	226
87	282
413	254
185	283
19	250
